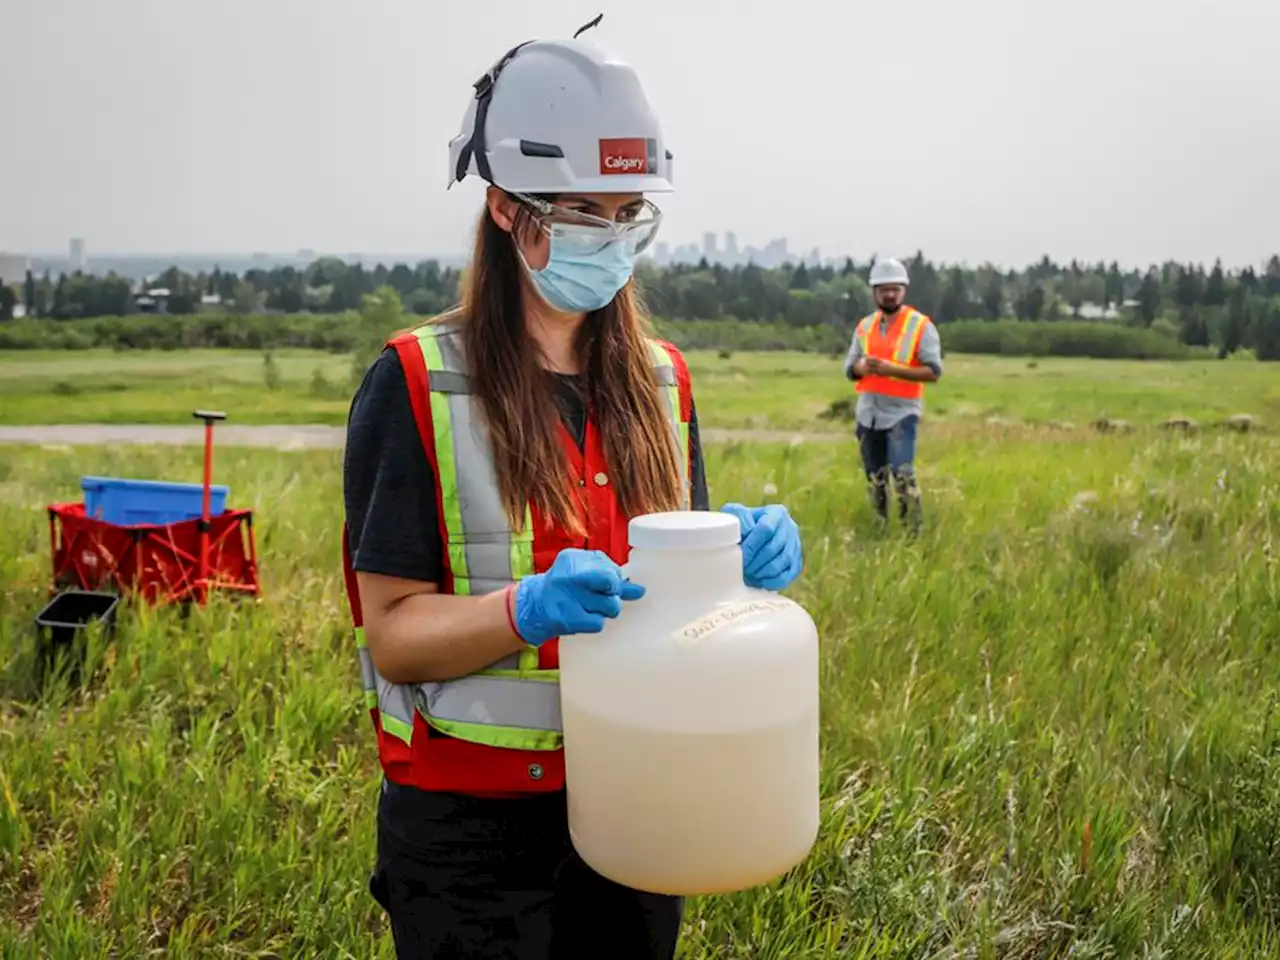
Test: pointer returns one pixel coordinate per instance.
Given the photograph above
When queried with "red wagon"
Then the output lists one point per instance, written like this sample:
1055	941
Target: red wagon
177	561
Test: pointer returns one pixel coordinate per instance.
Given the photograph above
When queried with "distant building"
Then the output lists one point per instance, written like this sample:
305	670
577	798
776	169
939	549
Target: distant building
13	268
153	300
1096	311
76	254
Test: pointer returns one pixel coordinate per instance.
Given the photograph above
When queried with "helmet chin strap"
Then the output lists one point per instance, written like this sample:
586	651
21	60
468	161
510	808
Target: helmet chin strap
484	95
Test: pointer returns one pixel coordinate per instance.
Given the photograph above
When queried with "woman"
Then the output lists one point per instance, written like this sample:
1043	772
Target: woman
494	457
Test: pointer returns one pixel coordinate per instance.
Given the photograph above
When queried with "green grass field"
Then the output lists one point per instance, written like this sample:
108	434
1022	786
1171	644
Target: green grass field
765	391
1050	725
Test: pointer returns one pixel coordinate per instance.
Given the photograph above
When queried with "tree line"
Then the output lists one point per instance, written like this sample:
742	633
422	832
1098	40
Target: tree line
801	306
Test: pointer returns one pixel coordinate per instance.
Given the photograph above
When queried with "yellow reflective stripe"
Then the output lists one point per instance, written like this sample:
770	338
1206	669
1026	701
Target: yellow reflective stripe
396	727
901	348
442	424
527	670
662	356
370	694
864	331
910	334
522	548
915	341
510	738
911	339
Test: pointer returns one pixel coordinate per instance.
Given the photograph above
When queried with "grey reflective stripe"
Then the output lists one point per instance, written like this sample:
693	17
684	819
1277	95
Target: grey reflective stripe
395	702
446	381
485	530
673	419
368	672
486	534
665	372
449	339
496	701
510	662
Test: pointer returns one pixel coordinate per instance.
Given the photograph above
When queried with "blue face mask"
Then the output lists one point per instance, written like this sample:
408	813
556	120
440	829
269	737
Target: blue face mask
583	273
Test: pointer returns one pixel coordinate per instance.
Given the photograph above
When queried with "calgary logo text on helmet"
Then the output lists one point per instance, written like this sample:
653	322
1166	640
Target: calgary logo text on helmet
622	155
625	164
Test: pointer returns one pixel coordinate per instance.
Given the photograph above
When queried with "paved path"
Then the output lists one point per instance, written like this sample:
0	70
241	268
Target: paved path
286	437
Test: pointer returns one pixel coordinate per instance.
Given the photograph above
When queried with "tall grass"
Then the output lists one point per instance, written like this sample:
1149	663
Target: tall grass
1049	724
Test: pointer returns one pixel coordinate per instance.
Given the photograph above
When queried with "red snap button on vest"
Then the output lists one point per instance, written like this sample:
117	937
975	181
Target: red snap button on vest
601	479
535	771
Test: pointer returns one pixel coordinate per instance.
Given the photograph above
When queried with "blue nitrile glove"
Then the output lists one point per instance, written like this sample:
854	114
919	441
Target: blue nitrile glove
574	596
771	554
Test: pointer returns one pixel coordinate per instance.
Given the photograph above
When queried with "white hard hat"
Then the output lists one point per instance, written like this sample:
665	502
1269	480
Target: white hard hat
561	116
888	271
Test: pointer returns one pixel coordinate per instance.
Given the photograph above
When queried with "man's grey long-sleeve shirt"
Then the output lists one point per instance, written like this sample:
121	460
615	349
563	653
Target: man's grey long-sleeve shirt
877	411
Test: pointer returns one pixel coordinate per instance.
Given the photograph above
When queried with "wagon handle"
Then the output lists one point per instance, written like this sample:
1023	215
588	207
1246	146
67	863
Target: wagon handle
209	417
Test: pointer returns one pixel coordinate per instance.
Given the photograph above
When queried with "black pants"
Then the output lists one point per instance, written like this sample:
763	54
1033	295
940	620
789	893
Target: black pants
890	455
466	878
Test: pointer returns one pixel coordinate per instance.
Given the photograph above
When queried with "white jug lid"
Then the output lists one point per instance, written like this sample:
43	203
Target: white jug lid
684	530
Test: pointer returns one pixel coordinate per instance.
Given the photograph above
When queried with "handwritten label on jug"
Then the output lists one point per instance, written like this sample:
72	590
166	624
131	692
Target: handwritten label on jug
718	619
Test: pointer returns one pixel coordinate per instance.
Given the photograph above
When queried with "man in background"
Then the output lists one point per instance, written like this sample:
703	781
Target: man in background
894	353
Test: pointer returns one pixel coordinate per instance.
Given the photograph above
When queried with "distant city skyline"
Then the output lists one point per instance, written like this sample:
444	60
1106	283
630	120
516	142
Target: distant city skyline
774	253
141	264
78	252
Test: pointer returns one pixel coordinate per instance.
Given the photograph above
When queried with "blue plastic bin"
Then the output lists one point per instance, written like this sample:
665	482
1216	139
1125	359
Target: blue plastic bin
123	502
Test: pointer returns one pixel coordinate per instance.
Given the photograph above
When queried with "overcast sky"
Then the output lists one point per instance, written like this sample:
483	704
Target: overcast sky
978	130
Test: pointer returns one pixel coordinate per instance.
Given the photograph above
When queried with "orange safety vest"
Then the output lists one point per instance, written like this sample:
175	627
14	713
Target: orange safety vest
900	344
426	735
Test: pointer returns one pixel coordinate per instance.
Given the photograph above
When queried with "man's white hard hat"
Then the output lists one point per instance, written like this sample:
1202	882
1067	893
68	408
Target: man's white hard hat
888	271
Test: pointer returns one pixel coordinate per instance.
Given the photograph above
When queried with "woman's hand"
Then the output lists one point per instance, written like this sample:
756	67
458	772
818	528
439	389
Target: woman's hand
581	589
771	554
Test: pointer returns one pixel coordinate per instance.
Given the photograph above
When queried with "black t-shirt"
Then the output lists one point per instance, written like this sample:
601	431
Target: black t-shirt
389	487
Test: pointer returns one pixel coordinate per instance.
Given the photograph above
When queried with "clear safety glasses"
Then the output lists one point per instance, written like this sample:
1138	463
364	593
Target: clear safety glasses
636	226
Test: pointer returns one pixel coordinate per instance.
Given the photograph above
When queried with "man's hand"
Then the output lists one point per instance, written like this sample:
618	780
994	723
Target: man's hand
877	367
862	367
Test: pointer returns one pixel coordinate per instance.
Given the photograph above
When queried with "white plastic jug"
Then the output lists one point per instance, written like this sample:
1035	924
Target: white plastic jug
691	721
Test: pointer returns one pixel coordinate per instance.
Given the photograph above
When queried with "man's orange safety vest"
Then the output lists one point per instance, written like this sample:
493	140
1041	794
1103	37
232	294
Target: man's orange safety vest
900	345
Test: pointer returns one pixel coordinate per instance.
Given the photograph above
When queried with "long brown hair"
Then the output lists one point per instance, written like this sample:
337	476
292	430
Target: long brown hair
516	398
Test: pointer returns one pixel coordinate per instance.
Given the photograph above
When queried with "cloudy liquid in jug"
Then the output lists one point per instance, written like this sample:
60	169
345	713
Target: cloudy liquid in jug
736	804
